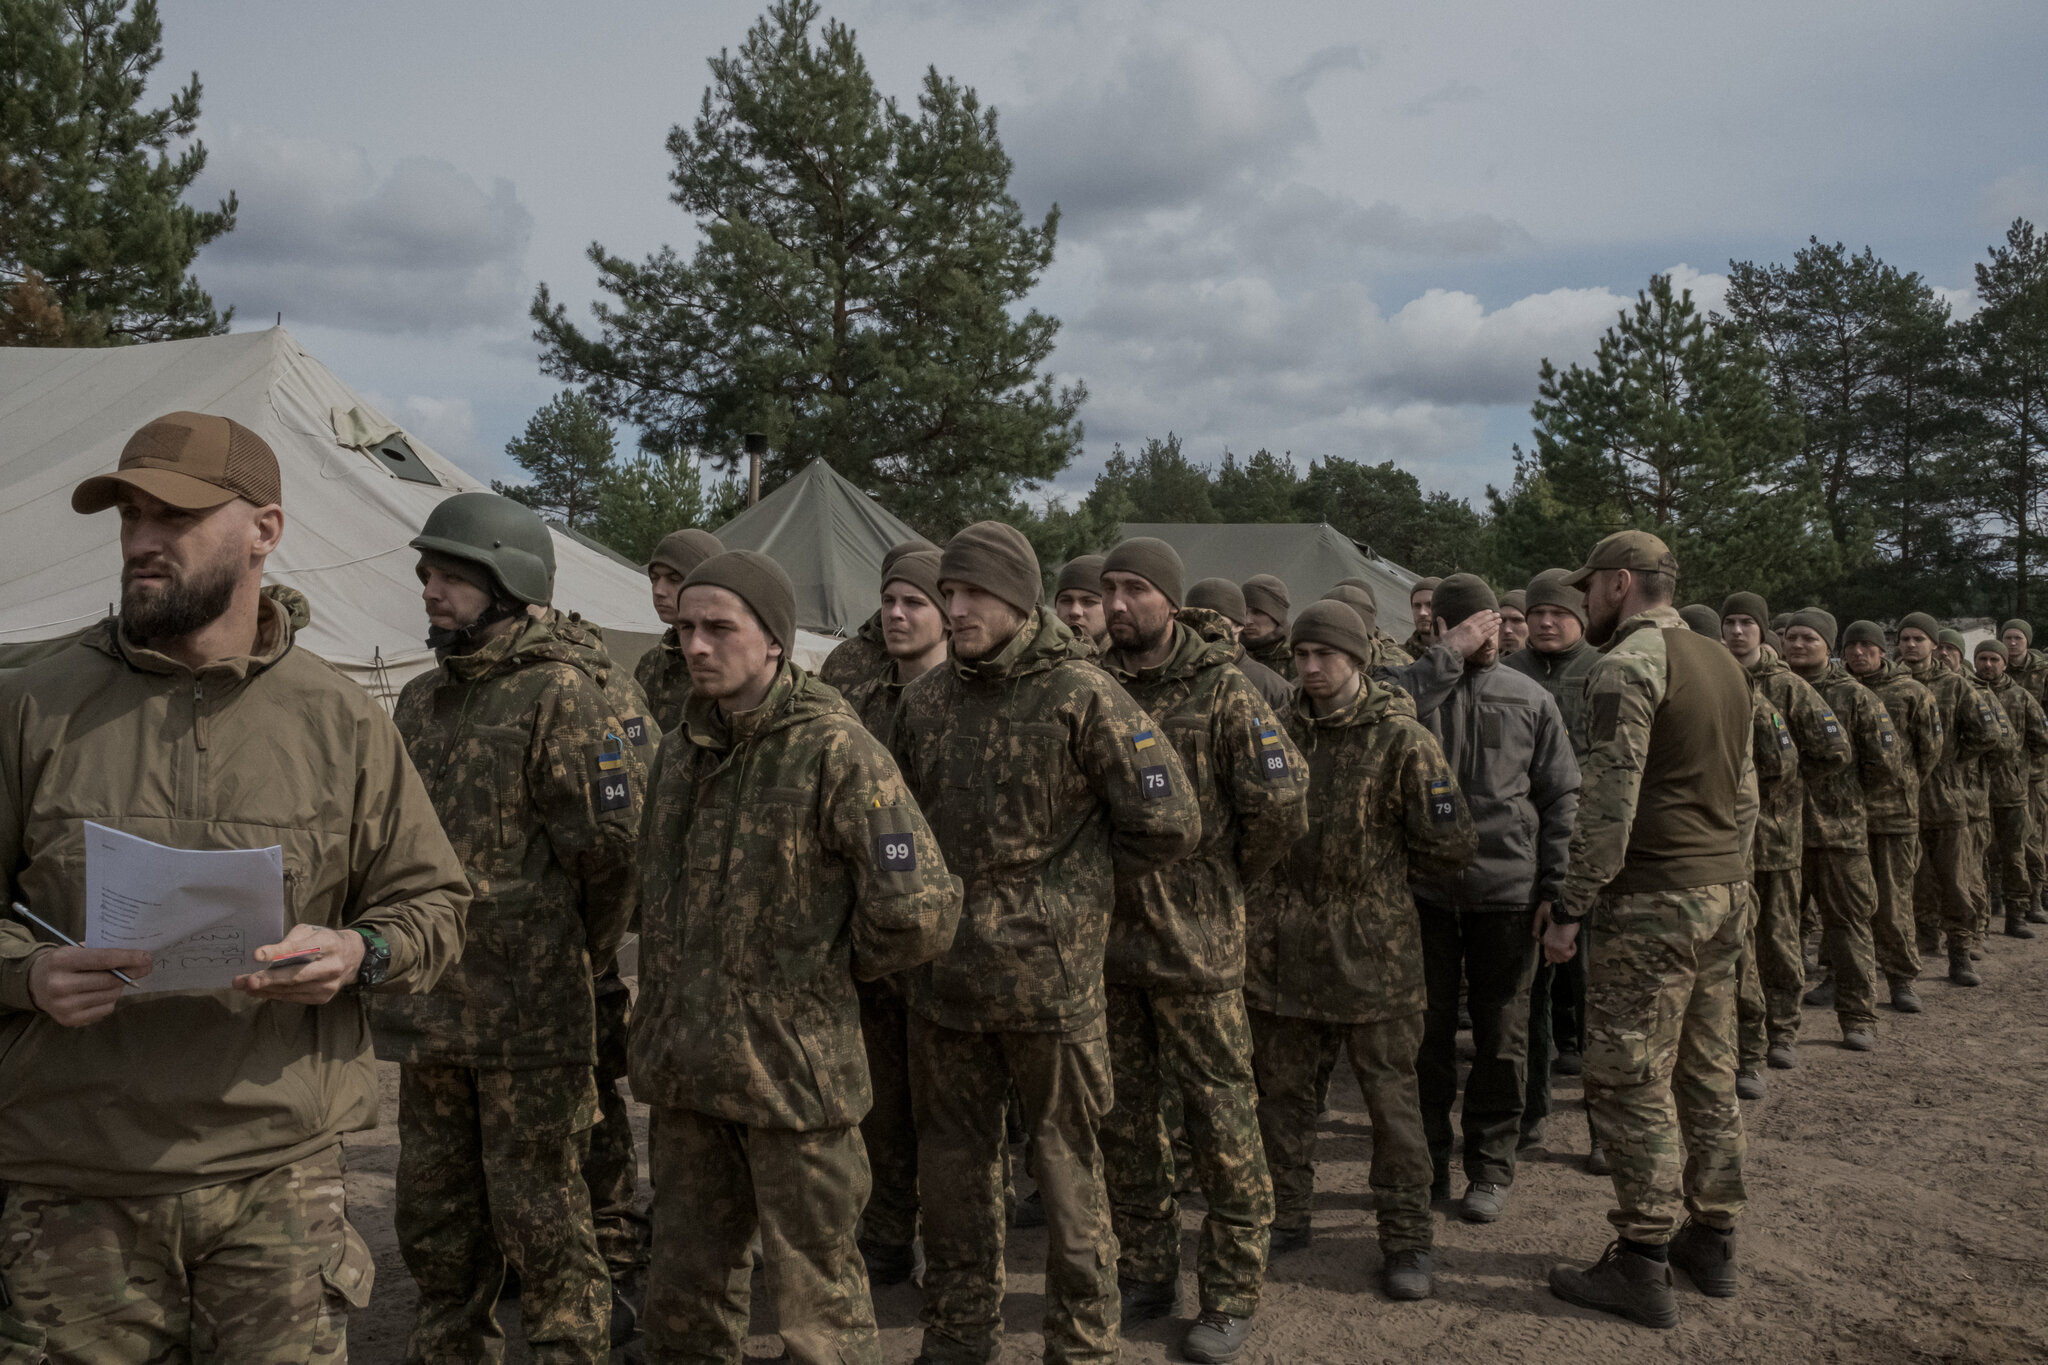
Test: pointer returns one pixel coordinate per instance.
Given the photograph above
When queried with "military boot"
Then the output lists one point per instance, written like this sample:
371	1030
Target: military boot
1749	1084
2036	913
2016	921
1216	1338
1708	1256
1144	1300
1904	999
1821	997
1960	972
1596	1159
1408	1275
1623	1283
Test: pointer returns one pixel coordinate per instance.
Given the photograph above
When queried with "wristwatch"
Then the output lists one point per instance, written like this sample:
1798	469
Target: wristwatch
376	958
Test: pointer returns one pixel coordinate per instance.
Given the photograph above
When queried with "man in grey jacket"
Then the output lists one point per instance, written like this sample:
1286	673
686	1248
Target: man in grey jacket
1507	744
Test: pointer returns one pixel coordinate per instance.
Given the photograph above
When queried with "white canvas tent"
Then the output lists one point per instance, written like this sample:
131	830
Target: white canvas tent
356	489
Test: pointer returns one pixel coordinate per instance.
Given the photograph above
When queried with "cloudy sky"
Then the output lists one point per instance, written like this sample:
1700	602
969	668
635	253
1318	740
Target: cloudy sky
1328	228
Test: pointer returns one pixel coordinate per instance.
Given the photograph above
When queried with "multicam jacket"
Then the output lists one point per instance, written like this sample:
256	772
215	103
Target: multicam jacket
1044	783
539	790
1836	813
1894	807
1276	654
664	677
1331	931
2008	774
1181	929
1970	728
1824	749
861	655
782	858
628	698
1563	675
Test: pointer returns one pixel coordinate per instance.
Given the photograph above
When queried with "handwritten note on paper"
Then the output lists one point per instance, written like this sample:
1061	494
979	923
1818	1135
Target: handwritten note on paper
201	912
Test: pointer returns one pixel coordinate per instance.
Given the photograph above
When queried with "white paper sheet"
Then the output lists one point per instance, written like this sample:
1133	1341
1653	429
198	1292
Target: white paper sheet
202	912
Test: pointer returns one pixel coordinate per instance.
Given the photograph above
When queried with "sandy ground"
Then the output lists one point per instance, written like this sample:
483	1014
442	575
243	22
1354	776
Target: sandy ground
1899	1212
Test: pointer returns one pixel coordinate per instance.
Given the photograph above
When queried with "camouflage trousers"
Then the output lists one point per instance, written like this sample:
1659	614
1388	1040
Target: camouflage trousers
612	1170
1492	955
490	1172
890	1129
260	1271
1660	1057
2005	862
1780	955
716	1184
1286	1054
1568	998
960	1085
2037	846
1981	831
1845	893
1203	1045
1752	1011
1893	860
1949	885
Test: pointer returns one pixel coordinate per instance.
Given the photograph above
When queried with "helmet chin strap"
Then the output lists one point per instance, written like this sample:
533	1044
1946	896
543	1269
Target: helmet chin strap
463	639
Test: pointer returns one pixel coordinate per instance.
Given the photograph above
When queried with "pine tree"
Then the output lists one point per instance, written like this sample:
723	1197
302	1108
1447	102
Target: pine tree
851	295
2006	349
96	241
645	499
569	450
1159	483
1261	488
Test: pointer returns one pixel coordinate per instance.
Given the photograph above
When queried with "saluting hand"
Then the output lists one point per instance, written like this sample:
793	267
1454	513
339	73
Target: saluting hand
1473	633
312	983
77	986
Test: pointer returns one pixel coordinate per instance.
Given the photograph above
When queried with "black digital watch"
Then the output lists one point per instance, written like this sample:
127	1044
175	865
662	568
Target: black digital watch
376	958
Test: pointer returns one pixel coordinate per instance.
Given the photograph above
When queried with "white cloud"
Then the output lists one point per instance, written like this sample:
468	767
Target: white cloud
2020	194
324	237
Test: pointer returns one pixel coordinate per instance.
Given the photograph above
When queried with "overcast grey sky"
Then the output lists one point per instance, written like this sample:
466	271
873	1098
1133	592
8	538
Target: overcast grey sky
1330	228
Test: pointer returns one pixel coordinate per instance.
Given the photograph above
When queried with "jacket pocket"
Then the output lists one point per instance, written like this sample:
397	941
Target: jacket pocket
1023	786
349	1278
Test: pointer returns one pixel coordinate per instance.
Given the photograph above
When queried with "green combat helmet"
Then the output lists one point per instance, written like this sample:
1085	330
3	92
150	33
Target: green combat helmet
503	538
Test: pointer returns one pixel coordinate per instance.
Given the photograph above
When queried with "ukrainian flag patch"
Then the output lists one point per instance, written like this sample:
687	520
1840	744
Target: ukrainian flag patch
1143	740
612	757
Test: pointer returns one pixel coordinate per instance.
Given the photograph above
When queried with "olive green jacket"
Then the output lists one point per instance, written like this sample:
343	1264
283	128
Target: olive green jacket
2009	773
1563	675
1972	726
1044	783
1836	812
540	792
1331	930
782	857
177	1090
1893	807
1275	654
1181	929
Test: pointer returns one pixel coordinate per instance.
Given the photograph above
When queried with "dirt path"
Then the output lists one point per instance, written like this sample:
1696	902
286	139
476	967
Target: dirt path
1899	1212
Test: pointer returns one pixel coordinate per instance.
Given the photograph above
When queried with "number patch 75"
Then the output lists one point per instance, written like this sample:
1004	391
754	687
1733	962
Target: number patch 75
1153	783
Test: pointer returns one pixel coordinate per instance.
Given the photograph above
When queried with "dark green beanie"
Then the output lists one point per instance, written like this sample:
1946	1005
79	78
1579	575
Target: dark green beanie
1815	620
1263	592
1863	633
2021	626
1082	573
1517	599
1362	586
1461	595
684	550
1703	619
758	581
1954	639
1360	601
908	547
997	559
1922	622
1424	585
1781	620
1748	604
920	569
1330	622
1990	644
1219	595
1154	561
1549	589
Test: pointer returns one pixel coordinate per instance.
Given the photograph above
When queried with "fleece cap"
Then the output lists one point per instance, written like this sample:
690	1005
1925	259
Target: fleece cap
1863	633
1549	589
1082	573
1263	592
1922	622
1219	595
1990	644
1748	604
1154	561
1359	601
997	559
1817	621
1330	622
684	550
920	569
759	582
191	460
1462	595
1515	600
1954	640
1636	551
1424	585
908	547
1703	619
2021	626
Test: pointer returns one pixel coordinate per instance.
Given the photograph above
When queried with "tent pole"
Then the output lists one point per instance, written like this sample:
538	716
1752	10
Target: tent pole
757	446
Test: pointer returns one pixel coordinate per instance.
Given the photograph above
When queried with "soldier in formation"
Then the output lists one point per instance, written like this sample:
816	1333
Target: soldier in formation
662	673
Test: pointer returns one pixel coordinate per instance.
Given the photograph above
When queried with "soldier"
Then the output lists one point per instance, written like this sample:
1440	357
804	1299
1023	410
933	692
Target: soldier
1431	675
2029	668
1893	808
1702	619
1834	859
1333	945
783	858
1175	963
1949	881
1044	783
1514	621
2008	777
914	633
1419	598
531	773
1824	749
863	654
1266	608
1077	600
1667	804
2024	664
1505	741
1954	649
1366	602
662	673
1223	597
170	1163
1977	790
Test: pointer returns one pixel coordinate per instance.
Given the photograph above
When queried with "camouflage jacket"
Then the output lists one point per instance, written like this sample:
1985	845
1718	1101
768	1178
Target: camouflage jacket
664	678
782	858
1667	792
1824	748
1332	931
1977	792
874	699
628	698
1044	782
2031	674
1777	767
2009	774
1894	807
529	769
1275	654
1836	805
1181	929
1275	690
1972	727
859	656
1563	675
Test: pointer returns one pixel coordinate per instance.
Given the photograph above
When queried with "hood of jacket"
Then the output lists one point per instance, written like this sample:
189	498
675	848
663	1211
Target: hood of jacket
586	638
537	639
793	698
275	633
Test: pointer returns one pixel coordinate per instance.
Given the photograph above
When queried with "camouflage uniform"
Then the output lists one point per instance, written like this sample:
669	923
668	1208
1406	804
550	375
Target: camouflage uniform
1044	783
1661	985
664	678
1949	883
1977	797
1275	654
1893	812
2008	780
1824	748
782	858
859	656
2032	675
1175	970
1779	803
1333	949
539	790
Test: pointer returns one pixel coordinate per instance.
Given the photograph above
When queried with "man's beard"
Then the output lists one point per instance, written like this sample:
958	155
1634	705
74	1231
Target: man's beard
187	606
1141	643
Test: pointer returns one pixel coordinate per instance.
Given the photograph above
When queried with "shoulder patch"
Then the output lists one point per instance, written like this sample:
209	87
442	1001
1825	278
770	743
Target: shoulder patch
1272	754
1154	784
638	732
1784	735
613	788
1828	723
1604	715
1443	808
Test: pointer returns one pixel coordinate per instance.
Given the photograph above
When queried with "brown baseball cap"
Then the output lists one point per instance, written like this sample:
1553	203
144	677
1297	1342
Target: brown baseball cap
191	460
1638	551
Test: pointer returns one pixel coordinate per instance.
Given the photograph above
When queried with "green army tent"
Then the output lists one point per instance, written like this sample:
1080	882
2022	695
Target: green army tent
1309	557
829	537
